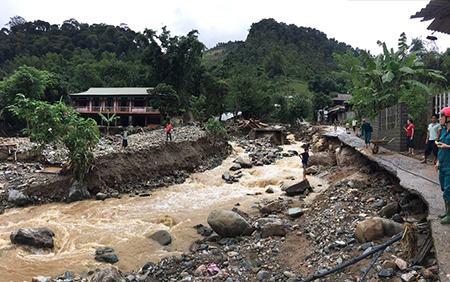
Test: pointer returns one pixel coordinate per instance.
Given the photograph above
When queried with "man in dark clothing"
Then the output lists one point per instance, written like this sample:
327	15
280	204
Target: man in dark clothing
366	131
305	156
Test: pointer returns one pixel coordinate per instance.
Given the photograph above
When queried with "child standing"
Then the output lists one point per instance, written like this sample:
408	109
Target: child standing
305	156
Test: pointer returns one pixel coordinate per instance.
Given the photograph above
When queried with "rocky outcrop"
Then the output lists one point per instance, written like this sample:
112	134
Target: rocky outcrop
77	192
18	198
229	224
109	274
35	237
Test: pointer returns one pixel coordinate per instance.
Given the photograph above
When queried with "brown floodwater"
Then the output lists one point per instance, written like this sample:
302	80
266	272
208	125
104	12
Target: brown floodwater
125	224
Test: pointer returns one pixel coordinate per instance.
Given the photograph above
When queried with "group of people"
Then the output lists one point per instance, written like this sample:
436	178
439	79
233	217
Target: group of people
437	142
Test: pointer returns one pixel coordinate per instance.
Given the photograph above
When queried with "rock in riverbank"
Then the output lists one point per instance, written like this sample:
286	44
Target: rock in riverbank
35	237
228	223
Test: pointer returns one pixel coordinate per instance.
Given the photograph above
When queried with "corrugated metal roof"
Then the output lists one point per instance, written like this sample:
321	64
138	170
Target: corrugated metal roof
114	91
439	12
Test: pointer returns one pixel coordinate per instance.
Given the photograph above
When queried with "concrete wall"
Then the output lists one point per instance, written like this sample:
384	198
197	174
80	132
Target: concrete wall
389	123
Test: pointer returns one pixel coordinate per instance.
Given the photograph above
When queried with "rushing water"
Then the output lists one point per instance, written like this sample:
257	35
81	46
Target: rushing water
125	224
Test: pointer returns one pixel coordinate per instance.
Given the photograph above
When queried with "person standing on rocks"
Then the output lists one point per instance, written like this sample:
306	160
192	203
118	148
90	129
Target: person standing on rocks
304	156
443	163
168	132
366	131
409	136
433	134
124	140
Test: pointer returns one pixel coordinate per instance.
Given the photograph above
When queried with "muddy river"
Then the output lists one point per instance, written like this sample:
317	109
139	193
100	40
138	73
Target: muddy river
125	224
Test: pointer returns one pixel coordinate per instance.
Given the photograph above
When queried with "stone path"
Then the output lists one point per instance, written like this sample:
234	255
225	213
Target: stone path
420	179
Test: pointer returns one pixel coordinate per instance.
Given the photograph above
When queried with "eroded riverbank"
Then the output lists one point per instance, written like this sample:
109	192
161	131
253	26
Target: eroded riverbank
125	224
292	249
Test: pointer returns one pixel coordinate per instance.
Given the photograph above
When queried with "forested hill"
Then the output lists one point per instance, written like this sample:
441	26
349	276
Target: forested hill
282	49
267	76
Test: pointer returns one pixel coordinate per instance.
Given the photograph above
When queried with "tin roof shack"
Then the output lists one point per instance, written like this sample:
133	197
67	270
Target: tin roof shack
130	104
341	109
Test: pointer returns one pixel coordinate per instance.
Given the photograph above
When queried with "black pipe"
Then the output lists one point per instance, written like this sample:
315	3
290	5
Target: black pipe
370	266
355	260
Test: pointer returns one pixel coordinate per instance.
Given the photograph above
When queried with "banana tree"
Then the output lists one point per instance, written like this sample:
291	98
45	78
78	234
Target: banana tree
385	79
108	119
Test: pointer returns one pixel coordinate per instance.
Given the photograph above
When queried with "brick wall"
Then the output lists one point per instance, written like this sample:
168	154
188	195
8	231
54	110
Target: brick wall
389	124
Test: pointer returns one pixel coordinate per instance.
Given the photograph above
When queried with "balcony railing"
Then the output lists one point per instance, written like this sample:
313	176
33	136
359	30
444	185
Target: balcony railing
125	109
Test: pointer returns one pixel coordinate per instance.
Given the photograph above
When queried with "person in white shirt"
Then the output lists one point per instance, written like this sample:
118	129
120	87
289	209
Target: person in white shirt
354	124
433	134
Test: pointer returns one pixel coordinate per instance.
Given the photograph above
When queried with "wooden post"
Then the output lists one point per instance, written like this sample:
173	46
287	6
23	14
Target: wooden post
90	104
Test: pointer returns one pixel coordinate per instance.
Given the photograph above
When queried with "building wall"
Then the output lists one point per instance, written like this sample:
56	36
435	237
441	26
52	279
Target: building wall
389	124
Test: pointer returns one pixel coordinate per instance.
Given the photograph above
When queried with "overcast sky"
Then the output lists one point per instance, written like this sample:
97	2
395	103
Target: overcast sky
359	23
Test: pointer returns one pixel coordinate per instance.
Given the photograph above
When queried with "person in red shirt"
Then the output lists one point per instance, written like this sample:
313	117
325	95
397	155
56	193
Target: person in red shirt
168	132
409	136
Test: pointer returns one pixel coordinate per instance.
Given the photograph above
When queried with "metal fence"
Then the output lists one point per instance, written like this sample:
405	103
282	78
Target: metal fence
441	101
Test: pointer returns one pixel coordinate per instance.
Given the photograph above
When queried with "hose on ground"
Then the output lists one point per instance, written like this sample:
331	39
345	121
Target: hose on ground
394	239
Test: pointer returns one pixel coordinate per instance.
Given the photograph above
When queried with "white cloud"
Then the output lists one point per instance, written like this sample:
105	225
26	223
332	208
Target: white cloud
359	23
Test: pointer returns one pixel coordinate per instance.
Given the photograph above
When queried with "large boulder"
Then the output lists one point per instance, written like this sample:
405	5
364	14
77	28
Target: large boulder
77	192
18	198
162	237
369	230
295	187
109	274
245	163
229	224
35	237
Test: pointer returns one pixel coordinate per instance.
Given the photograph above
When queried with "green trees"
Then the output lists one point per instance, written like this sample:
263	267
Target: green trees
174	61
53	123
165	98
389	78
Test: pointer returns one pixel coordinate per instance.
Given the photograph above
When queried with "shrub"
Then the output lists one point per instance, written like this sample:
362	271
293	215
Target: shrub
53	123
215	130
